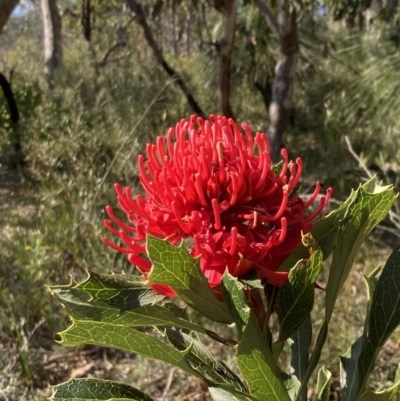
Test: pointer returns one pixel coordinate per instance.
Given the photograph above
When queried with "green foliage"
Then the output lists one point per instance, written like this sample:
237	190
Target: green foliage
137	304
122	312
97	320
382	319
96	390
300	346
296	299
78	141
370	206
324	380
175	268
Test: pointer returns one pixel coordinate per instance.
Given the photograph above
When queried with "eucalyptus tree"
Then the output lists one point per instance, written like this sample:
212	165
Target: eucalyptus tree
225	48
52	36
86	19
6	8
283	24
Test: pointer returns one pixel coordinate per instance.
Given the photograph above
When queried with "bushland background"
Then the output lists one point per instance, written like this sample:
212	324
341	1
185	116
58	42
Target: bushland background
86	84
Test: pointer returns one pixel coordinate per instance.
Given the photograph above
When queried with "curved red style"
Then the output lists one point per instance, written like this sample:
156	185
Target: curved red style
210	182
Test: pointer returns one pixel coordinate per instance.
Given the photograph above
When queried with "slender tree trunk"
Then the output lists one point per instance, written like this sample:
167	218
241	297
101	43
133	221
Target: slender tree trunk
188	29
9	95
6	8
86	19
174	44
14	116
225	50
281	101
52	39
141	19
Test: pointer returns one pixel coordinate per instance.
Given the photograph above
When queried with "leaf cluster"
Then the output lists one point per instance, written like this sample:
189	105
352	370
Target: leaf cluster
122	312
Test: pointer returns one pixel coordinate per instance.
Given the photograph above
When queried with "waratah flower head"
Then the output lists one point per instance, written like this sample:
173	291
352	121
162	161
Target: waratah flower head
208	181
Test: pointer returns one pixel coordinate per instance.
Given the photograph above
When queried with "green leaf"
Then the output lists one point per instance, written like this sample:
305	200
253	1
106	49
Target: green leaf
371	281
362	211
219	394
127	339
251	280
255	359
296	297
300	346
382	320
204	361
384	314
234	296
370	205
96	390
174	267
277	168
291	384
323	384
257	365
349	371
81	306
391	394
120	290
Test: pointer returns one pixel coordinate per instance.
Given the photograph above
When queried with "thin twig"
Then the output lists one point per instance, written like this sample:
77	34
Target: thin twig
355	155
116	59
115	46
140	17
23	348
393	217
168	384
124	141
269	16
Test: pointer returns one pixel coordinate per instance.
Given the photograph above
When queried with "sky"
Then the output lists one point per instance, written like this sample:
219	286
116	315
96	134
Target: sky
22	8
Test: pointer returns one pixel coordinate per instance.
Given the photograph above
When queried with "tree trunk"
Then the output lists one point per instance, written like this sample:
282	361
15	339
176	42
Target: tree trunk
174	44
52	39
141	19
285	68
14	116
86	19
188	29
9	95
225	50
6	8
281	101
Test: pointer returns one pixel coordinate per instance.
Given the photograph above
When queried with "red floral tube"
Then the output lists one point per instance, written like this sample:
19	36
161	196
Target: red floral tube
208	181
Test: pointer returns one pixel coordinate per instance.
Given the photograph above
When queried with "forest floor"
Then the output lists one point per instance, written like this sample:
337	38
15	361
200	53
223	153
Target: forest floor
31	360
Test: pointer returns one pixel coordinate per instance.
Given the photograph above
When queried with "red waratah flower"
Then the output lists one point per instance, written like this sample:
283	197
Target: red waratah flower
209	182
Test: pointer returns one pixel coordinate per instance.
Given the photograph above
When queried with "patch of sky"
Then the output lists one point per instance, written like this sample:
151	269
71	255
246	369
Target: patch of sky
23	8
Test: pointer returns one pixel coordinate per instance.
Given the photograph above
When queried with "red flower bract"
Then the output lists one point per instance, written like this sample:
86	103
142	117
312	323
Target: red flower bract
210	182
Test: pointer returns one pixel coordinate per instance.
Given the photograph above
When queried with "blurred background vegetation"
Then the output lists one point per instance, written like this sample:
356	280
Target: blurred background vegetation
89	102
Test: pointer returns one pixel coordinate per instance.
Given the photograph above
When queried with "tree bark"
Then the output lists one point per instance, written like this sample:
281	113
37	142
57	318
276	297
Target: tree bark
281	101
9	95
141	19
225	50
188	29
174	44
14	116
86	19
52	39
6	8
